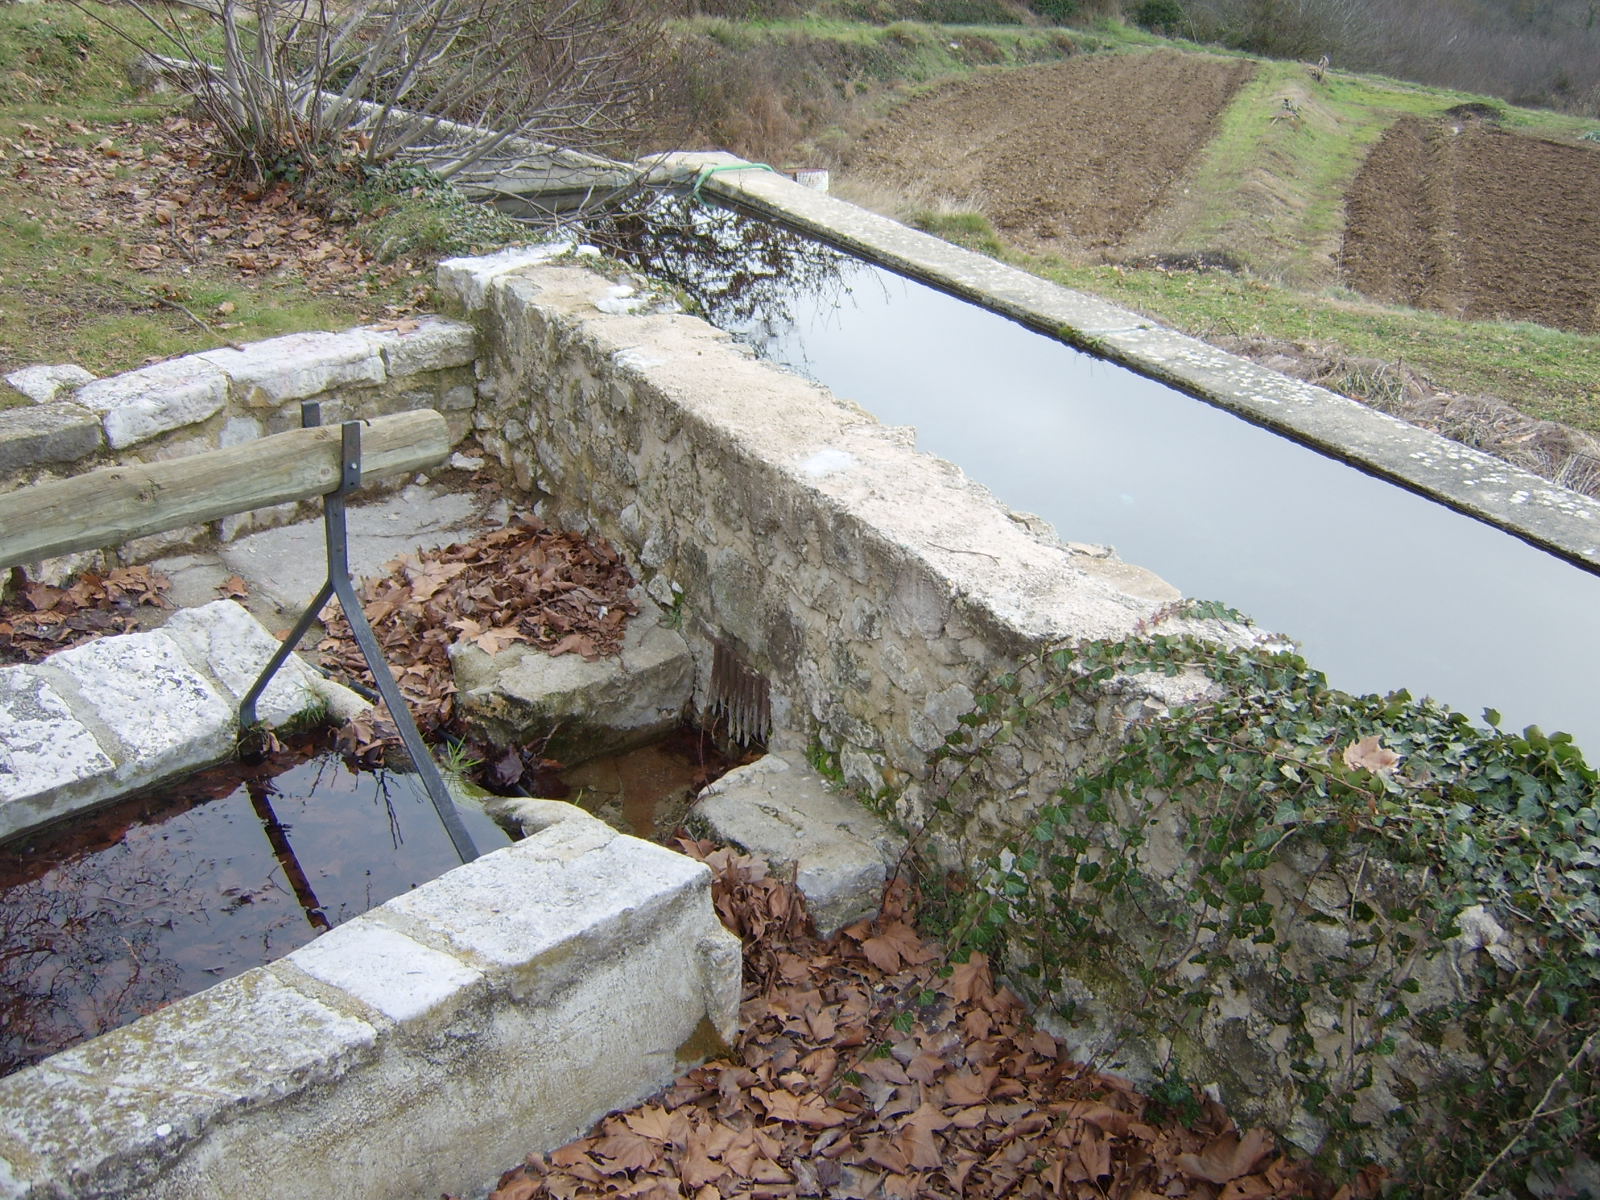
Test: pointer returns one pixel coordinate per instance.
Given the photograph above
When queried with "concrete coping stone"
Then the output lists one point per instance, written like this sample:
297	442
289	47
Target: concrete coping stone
412	1013
297	366
122	713
1474	483
464	282
422	344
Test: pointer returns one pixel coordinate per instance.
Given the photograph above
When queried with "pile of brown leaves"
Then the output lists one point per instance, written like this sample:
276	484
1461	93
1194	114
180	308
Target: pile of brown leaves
45	619
159	190
524	584
869	1067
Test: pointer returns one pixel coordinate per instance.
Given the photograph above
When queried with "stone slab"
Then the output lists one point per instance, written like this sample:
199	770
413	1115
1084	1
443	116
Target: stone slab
838	853
138	405
297	366
523	694
47	384
140	690
45	434
48	759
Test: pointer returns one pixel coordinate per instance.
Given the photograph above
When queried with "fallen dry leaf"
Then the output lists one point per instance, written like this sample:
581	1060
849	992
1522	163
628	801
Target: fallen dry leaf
1368	755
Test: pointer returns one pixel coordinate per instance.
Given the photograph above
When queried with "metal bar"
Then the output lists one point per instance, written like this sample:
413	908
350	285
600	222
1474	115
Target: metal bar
344	589
338	583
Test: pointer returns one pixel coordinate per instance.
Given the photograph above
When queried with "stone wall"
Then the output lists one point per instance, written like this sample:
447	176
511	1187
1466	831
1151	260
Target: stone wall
74	422
876	589
872	585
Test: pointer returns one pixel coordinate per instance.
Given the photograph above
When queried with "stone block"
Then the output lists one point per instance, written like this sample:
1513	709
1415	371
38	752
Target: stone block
464	282
408	983
48	760
523	694
838	853
109	1117
138	405
48	384
47	433
433	345
226	642
140	691
297	366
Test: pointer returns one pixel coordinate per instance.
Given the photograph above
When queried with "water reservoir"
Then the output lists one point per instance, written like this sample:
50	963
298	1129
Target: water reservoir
1382	588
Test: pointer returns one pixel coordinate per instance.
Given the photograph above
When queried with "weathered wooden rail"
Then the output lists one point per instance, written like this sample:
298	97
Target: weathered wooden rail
109	506
114	504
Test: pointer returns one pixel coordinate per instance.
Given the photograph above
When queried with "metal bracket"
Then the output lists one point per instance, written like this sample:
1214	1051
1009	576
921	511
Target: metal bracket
338	583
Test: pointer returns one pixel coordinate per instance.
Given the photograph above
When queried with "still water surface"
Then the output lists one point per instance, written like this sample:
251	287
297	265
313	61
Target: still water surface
1383	589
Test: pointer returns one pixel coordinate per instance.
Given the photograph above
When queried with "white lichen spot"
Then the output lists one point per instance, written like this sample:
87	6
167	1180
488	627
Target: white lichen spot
827	462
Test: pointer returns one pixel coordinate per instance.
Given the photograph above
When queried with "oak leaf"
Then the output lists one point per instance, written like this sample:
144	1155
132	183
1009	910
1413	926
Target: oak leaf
1228	1157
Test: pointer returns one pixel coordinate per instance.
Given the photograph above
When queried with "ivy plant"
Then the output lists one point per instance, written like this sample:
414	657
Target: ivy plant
1455	847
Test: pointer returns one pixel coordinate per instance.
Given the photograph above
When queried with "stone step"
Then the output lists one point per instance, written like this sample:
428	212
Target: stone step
839	854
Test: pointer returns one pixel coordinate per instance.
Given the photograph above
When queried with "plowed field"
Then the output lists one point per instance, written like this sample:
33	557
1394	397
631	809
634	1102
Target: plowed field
1072	156
1456	215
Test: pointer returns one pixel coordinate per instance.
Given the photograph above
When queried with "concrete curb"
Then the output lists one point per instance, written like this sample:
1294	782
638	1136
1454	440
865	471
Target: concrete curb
122	713
502	1008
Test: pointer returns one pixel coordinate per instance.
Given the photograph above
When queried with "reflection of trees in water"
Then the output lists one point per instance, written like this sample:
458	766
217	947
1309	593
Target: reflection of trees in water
743	275
79	952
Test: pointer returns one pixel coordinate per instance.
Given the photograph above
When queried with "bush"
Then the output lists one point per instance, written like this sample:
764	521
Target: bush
305	85
1057	10
1165	16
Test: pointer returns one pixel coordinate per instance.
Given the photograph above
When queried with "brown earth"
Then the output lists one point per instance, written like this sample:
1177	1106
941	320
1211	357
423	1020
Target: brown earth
1069	157
1459	216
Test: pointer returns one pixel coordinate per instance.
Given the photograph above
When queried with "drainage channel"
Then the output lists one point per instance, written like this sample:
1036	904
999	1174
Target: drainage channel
1382	588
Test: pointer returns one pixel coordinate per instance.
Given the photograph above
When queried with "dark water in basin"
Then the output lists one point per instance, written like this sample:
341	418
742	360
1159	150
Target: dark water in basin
1383	589
158	897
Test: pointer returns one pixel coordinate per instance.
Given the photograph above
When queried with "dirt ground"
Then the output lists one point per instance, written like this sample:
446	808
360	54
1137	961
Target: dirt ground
1453	214
1457	215
1069	157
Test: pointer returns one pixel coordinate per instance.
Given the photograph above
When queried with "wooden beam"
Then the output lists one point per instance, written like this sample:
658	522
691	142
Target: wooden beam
109	506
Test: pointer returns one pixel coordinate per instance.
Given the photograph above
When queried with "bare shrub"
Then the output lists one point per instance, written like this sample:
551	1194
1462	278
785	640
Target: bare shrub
302	83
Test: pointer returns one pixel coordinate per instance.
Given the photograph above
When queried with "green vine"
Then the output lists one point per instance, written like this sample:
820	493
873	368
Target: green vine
1411	901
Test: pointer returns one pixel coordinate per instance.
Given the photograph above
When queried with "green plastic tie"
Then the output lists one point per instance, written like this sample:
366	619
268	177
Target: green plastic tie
706	173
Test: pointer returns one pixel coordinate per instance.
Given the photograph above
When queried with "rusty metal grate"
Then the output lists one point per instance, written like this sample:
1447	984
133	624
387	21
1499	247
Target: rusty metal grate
739	702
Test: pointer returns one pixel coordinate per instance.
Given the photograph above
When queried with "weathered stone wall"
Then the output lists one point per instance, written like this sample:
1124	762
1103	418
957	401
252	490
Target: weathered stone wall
877	589
75	422
874	586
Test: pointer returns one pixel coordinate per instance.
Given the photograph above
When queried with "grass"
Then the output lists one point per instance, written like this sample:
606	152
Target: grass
67	291
1546	373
